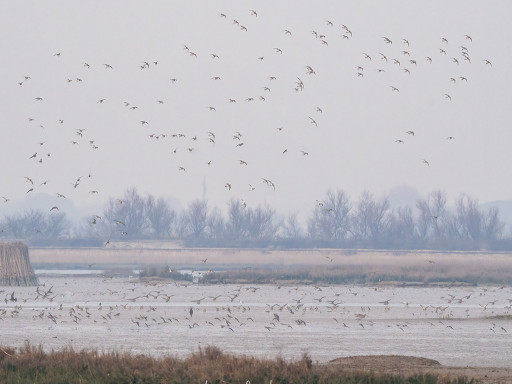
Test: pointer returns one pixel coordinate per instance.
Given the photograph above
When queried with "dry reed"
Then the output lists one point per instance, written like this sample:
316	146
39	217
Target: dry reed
31	364
15	267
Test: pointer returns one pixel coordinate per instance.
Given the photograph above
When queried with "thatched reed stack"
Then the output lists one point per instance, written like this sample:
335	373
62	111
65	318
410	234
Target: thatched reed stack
15	267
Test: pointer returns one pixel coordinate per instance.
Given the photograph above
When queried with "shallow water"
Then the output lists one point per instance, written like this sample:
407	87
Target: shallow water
456	326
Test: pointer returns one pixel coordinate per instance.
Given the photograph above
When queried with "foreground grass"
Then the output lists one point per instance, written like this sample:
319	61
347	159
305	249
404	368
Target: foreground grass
31	364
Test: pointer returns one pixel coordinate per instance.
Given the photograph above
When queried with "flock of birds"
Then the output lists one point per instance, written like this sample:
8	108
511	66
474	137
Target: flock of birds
67	309
191	150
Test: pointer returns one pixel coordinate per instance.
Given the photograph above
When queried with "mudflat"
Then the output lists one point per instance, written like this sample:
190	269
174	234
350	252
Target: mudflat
409	365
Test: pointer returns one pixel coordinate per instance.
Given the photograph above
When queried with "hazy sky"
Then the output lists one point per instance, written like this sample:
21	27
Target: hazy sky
352	146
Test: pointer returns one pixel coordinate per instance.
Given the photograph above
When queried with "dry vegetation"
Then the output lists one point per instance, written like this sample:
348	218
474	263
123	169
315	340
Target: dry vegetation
346	275
15	268
31	364
315	266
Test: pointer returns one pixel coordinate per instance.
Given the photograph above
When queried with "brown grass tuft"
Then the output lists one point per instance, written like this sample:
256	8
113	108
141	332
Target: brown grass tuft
31	364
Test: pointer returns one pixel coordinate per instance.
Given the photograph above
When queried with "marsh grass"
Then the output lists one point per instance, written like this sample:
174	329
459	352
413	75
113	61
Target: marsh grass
164	272
337	265
30	364
346	275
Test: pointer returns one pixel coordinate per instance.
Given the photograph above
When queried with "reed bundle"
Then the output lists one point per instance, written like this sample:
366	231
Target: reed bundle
15	267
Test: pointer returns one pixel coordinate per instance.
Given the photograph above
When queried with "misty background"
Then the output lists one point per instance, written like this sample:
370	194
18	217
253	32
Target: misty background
183	104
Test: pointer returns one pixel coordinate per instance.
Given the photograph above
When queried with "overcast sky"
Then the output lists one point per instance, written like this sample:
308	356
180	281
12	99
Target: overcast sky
345	128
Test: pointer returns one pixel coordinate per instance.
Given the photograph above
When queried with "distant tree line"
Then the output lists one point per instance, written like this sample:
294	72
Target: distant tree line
334	222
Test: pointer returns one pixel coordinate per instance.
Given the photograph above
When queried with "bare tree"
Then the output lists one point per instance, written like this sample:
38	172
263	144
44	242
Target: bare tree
14	226
126	217
57	225
475	225
182	227
292	228
433	216
261	223
331	217
237	224
216	225
492	225
35	223
402	227
161	218
469	218
372	219
197	214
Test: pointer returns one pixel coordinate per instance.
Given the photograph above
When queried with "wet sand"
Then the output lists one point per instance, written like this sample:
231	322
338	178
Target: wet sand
458	326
